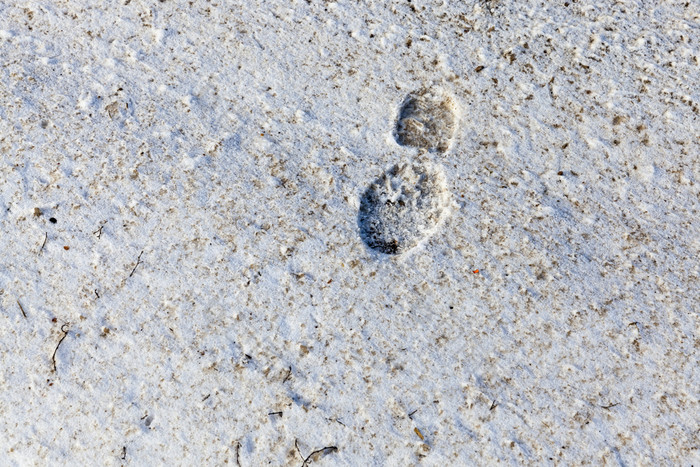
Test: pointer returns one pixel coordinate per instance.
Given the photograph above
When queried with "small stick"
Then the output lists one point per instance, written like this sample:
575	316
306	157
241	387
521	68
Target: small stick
123	452
411	414
99	231
327	448
420	435
138	261
275	413
46	237
296	445
608	407
238	450
493	405
64	330
308	458
289	373
22	309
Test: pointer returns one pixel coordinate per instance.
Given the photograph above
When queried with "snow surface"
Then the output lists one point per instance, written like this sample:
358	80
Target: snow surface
204	163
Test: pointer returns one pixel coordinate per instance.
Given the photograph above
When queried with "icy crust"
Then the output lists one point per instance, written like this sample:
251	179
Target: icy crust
403	207
427	120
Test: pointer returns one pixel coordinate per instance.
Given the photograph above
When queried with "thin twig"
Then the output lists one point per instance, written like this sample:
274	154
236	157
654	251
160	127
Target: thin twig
308	458
99	231
22	309
608	407
296	445
238	451
46	237
123	452
493	405
64	330
327	448
411	414
138	261
275	413
289	373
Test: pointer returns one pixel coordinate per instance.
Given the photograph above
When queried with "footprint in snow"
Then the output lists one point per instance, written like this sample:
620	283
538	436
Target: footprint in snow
403	207
427	120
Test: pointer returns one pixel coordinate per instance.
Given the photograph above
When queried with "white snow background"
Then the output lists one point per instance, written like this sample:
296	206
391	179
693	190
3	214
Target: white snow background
204	162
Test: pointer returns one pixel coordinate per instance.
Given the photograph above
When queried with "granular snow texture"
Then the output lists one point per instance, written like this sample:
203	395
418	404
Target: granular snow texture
180	192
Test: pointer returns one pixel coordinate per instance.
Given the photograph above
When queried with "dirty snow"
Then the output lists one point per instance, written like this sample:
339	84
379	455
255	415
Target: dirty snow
180	183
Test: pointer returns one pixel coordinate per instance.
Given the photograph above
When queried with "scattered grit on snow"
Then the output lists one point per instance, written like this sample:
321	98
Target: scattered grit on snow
183	273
